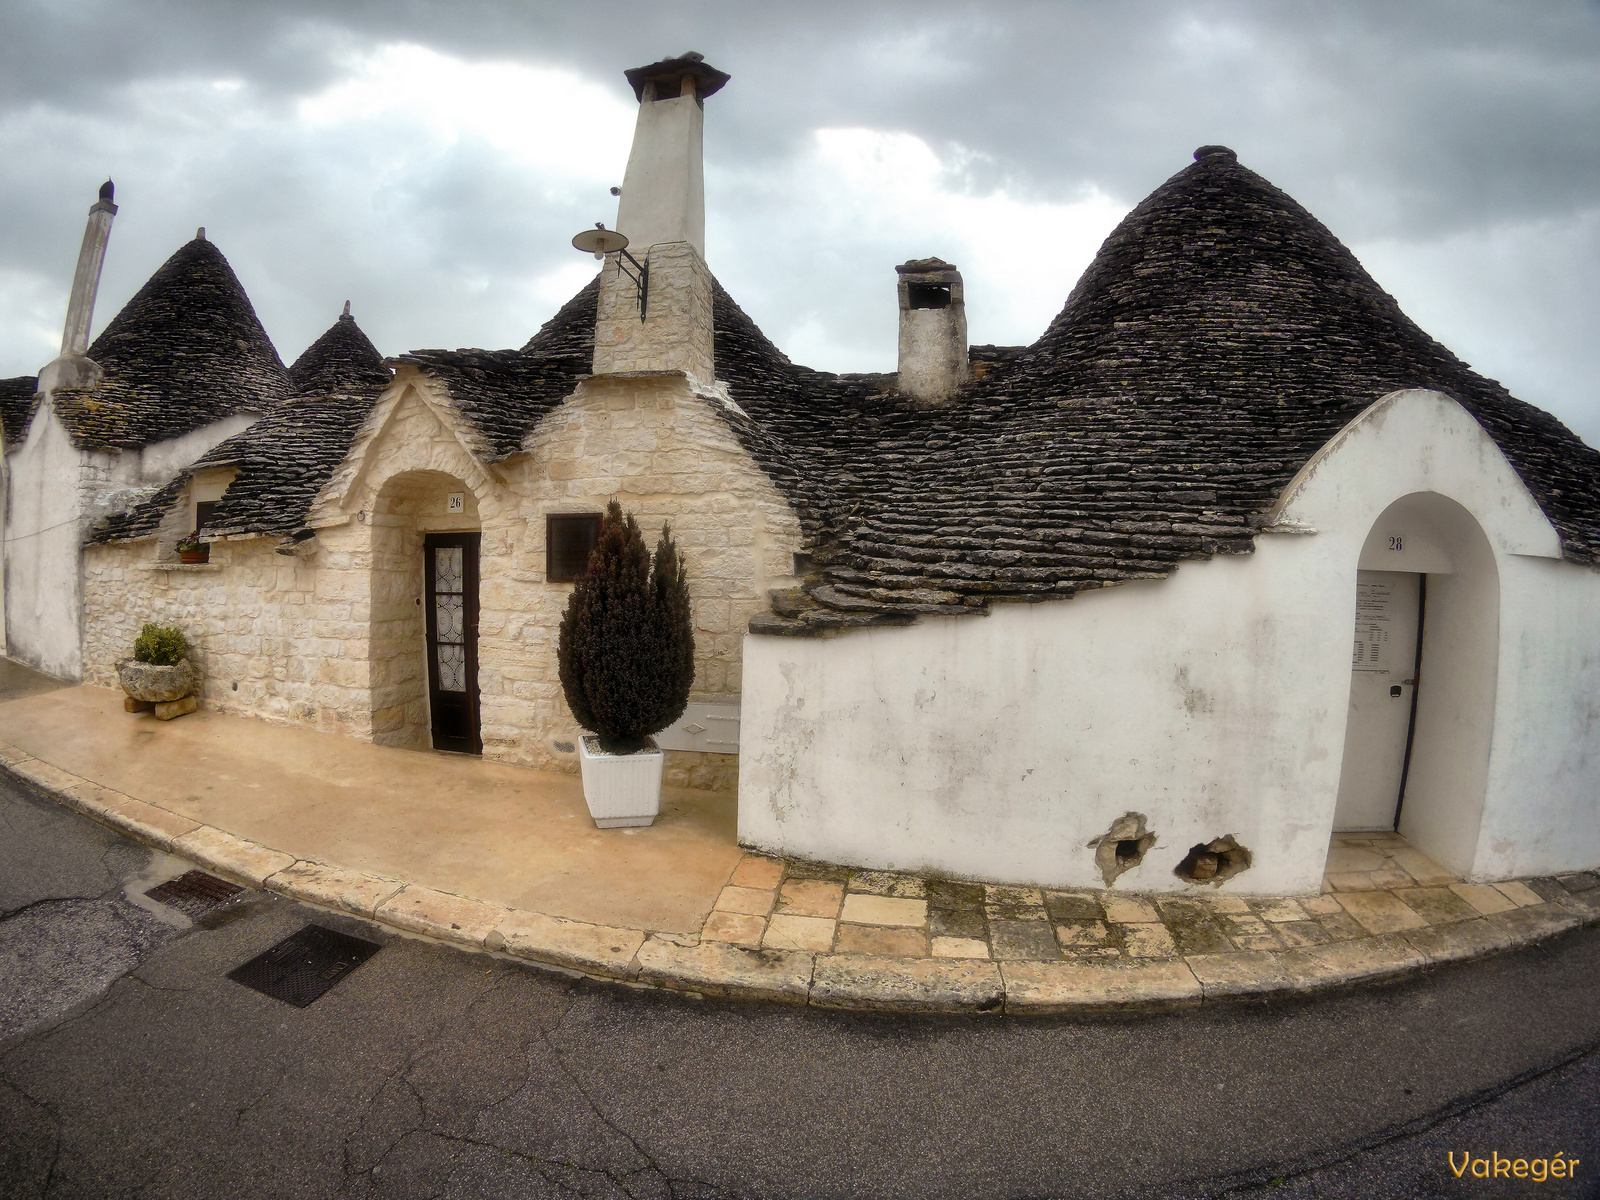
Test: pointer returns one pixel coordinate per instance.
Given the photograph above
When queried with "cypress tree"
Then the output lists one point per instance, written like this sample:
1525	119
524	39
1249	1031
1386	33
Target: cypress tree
626	651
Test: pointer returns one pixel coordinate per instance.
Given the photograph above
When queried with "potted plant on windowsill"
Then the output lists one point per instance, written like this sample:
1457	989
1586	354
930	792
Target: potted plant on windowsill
192	550
159	676
627	663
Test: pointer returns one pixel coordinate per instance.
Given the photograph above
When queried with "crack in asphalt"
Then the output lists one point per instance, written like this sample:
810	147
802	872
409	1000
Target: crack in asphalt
548	1168
57	1128
401	1073
17	912
1241	1183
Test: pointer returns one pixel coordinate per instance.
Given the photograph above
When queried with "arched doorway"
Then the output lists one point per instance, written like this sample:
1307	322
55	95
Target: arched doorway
424	613
1422	689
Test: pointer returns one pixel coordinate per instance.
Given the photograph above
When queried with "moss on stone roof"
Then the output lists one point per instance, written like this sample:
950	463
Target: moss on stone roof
340	362
282	461
185	352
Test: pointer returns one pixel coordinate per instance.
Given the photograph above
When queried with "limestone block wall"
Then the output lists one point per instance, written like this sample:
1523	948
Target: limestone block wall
660	449
407	507
269	641
334	640
676	333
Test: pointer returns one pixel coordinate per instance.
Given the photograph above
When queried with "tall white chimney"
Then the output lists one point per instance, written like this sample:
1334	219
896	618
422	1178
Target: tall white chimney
655	311
73	368
933	332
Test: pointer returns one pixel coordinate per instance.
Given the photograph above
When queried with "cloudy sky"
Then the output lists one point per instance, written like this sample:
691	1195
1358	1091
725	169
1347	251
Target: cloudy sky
429	161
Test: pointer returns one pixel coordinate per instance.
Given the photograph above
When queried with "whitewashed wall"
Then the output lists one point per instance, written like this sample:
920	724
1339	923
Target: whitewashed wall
43	594
1213	702
1542	810
56	493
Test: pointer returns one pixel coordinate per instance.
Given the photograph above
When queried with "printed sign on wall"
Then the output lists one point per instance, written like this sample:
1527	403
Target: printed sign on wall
457	503
1373	651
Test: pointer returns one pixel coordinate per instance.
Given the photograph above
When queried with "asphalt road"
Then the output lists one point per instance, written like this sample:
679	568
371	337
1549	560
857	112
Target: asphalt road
130	1065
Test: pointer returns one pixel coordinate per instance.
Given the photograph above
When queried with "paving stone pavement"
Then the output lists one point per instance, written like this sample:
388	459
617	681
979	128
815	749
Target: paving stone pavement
831	936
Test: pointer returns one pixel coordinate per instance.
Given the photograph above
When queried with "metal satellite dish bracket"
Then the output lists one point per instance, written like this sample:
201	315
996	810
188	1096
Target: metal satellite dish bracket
601	241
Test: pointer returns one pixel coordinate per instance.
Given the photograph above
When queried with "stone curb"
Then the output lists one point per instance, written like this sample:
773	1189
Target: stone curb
684	963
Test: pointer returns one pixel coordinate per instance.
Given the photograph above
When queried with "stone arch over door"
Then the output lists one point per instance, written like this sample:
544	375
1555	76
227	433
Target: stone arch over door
406	508
1431	537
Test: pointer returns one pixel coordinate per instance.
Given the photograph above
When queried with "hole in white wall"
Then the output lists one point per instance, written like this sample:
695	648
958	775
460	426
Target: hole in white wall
1214	862
1122	847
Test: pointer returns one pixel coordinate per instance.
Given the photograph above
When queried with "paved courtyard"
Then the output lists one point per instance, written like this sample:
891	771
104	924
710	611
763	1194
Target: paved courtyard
1377	884
505	860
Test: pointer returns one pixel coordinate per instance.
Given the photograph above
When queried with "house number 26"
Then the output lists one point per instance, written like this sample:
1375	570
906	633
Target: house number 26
1396	542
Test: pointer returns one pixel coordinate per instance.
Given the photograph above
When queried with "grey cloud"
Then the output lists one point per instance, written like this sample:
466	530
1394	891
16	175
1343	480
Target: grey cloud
1431	122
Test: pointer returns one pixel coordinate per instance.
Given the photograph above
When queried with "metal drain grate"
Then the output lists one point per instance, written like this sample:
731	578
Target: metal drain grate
304	965
195	894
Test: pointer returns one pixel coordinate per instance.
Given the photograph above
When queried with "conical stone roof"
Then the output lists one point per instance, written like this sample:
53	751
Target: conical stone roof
186	351
340	362
282	461
1221	337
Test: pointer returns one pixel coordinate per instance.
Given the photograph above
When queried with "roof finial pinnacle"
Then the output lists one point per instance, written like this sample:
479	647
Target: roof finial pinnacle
346	308
1215	152
200	234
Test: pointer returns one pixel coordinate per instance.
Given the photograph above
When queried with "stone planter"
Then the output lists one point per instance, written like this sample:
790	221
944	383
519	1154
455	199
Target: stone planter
621	790
153	684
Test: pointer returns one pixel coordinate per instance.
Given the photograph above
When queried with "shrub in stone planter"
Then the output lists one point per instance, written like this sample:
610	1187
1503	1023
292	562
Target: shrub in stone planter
626	655
159	671
160	645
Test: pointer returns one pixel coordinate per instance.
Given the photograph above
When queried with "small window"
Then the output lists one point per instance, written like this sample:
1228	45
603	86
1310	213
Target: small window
202	514
928	295
569	539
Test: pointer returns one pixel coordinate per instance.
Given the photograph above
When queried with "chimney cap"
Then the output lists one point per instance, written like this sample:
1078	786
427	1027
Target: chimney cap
707	79
929	270
107	190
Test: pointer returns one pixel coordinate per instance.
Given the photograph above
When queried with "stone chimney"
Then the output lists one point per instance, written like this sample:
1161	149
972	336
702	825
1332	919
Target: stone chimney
74	368
662	211
933	332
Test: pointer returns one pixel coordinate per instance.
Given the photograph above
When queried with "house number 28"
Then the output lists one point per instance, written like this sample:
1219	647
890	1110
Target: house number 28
1396	542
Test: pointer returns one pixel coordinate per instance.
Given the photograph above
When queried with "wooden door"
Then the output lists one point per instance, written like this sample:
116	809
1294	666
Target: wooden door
450	562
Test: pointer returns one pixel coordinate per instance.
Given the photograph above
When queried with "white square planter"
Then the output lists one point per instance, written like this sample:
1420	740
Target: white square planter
621	790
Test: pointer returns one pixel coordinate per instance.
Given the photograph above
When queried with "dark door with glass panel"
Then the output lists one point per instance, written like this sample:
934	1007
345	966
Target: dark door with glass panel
451	562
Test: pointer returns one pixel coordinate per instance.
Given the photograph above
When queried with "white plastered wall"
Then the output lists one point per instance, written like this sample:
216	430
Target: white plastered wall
44	515
55	494
1213	702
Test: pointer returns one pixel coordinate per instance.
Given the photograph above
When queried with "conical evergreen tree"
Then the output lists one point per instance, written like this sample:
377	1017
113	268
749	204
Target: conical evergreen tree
627	641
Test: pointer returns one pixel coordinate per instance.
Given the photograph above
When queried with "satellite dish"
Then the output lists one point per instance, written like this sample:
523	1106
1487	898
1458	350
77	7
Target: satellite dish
600	241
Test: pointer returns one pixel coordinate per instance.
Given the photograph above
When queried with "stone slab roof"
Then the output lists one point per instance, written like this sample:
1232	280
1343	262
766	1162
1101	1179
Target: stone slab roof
16	407
283	460
1219	339
505	393
185	352
341	362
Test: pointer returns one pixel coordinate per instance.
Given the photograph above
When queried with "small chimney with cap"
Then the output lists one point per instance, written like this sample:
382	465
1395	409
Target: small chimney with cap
933	332
74	368
655	297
